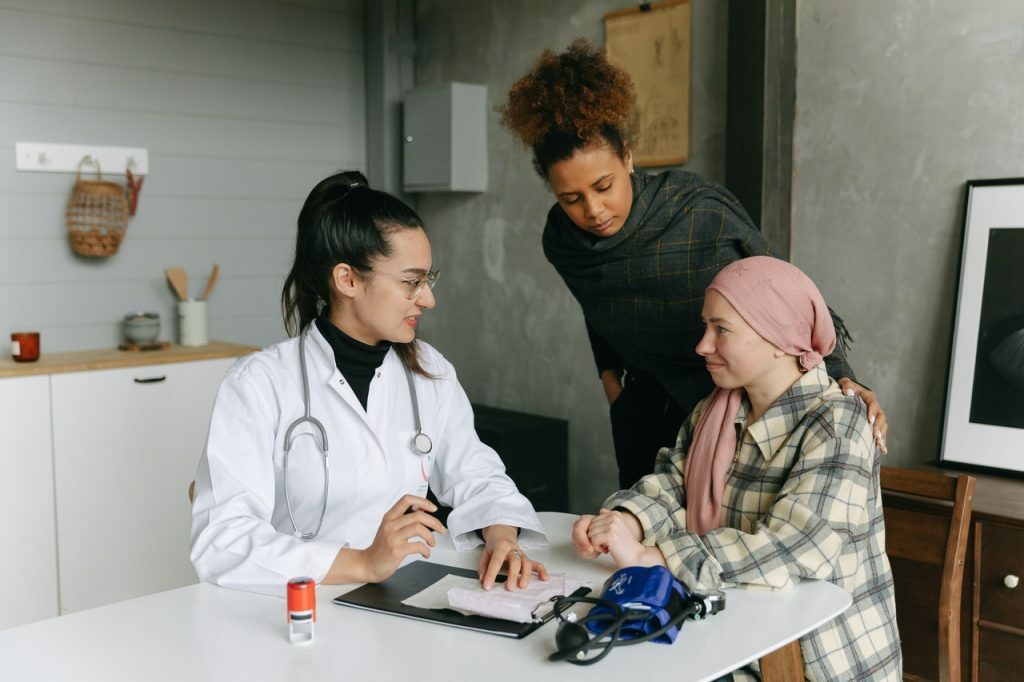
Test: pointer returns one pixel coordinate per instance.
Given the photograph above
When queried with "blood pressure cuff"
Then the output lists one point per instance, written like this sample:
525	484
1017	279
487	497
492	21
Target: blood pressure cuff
640	589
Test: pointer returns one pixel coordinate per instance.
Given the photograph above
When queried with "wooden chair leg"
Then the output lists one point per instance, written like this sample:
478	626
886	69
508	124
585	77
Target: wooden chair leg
785	664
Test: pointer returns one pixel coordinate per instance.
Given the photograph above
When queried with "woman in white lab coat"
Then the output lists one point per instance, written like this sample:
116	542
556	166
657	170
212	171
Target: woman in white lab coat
361	279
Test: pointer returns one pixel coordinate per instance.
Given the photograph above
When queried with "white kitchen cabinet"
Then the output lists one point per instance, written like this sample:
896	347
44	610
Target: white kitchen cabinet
28	569
126	444
95	467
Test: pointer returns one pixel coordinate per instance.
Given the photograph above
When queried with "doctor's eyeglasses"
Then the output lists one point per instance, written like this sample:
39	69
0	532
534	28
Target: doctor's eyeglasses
416	285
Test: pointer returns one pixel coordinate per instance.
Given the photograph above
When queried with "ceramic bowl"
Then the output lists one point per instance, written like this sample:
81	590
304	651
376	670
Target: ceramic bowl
141	327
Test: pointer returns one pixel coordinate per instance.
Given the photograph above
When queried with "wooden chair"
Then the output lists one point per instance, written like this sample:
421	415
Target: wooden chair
927	519
785	664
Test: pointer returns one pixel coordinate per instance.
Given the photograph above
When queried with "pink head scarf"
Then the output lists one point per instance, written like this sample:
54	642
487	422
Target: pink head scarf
786	309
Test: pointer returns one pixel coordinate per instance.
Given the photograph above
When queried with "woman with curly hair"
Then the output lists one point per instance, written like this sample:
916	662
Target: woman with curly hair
637	250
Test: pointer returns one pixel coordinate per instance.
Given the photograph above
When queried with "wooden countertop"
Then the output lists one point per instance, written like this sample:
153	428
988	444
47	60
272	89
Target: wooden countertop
1001	498
995	497
80	361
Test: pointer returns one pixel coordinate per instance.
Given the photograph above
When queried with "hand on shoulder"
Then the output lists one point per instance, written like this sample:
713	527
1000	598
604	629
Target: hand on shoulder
876	415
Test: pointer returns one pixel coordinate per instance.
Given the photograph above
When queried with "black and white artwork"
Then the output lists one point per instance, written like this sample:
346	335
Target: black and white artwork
997	396
984	420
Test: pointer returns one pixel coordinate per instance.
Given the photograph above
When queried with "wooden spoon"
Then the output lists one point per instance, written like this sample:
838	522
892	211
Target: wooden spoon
210	282
179	281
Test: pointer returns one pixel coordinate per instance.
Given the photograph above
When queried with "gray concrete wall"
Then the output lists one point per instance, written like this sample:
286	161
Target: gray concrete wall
504	318
899	102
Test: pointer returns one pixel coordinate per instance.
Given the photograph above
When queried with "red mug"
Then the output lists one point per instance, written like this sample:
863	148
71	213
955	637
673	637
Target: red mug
25	346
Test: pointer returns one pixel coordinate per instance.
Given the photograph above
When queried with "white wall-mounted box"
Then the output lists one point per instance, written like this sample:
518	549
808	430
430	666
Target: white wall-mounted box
445	133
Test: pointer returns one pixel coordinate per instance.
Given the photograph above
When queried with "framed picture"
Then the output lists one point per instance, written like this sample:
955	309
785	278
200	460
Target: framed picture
651	42
984	420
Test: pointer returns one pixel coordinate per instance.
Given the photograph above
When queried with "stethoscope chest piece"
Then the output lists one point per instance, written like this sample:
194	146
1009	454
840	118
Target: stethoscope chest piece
421	443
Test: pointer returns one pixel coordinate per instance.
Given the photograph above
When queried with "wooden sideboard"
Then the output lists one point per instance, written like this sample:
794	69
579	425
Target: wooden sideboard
992	613
997	557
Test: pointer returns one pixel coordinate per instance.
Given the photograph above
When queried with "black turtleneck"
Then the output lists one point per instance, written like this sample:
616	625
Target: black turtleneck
355	360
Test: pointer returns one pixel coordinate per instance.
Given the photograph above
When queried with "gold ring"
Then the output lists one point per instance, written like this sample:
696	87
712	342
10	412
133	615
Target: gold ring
514	553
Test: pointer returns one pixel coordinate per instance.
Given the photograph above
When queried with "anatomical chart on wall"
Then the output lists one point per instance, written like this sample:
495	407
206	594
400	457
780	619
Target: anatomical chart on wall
652	43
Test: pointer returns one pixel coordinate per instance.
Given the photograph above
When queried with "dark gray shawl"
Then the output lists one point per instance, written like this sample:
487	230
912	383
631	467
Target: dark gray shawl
642	289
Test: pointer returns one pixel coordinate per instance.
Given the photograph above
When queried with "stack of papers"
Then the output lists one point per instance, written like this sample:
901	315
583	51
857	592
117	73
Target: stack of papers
523	605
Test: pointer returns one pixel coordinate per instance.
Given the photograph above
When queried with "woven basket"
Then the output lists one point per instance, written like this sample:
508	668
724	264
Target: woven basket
97	216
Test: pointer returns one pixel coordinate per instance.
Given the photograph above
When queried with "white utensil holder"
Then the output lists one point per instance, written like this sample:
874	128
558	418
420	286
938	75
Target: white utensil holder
192	323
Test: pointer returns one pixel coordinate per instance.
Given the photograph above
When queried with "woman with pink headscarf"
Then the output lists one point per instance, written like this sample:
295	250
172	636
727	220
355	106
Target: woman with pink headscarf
774	476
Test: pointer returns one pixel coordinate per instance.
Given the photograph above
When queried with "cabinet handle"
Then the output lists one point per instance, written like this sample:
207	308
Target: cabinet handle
1011	581
150	380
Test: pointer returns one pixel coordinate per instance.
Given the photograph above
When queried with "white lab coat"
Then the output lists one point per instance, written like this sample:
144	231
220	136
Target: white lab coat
241	534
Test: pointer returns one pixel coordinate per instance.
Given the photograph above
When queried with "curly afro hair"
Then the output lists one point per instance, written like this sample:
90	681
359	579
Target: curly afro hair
568	102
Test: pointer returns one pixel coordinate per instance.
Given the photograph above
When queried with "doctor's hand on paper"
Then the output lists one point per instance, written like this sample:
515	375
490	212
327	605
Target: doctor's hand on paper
406	520
502	549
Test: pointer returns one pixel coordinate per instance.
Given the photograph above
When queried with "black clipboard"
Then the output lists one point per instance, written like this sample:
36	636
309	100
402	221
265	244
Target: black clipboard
387	596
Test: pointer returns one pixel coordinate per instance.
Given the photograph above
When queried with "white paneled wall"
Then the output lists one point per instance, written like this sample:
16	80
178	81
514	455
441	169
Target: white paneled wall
243	104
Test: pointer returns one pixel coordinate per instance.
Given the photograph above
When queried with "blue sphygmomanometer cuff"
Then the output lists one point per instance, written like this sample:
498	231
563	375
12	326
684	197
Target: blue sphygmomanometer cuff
639	588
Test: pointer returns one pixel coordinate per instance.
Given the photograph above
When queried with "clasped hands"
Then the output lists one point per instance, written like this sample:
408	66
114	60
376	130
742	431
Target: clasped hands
617	533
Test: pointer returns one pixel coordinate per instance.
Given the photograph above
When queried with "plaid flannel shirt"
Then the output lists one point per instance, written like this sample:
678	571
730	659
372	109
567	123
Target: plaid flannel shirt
801	500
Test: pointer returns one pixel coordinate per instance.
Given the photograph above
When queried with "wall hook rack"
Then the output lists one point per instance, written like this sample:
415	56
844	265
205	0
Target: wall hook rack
44	157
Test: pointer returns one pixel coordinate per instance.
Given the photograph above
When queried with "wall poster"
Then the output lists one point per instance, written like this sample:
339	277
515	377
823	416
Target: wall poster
651	42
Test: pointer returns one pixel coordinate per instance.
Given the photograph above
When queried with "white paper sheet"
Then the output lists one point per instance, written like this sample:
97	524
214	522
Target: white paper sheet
436	595
466	596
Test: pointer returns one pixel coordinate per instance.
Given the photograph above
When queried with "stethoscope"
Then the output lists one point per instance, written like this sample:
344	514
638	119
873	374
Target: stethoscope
421	442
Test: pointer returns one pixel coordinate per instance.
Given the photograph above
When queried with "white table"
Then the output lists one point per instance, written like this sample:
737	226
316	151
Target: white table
204	632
